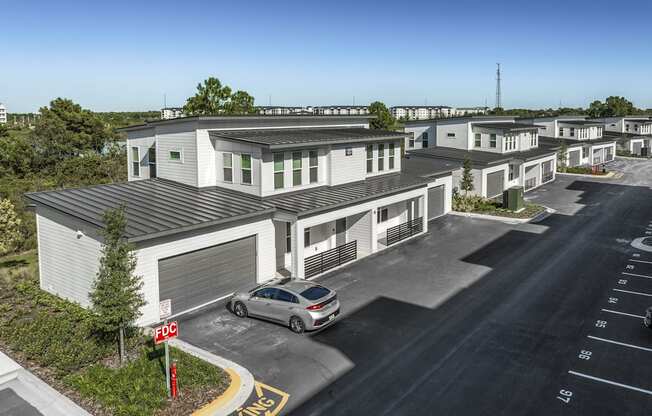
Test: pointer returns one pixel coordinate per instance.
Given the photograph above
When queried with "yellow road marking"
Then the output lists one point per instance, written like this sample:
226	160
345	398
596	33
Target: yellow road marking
228	394
265	404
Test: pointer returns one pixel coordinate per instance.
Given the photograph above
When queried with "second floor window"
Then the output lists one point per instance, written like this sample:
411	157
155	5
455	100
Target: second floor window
296	168
478	140
279	170
391	156
245	167
381	157
228	167
135	161
370	158
492	140
314	166
534	140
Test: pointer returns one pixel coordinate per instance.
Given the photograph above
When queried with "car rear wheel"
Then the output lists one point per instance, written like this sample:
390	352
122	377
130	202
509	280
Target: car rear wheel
296	325
240	310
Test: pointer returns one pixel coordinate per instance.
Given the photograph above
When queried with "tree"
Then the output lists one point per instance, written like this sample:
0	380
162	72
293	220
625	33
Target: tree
116	296
467	178
384	119
597	109
613	106
211	99
9	226
562	155
65	130
240	103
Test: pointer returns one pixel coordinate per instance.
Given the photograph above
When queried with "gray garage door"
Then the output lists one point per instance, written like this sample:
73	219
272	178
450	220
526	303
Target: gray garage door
574	158
435	202
198	277
637	148
495	183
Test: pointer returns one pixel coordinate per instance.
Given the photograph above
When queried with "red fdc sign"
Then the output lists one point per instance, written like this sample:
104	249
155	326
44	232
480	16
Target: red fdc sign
165	332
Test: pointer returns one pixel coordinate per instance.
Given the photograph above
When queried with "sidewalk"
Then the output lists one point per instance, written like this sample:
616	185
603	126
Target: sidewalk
22	393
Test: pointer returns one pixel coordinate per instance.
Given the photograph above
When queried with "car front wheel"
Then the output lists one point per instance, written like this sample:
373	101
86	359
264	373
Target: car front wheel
296	325
240	310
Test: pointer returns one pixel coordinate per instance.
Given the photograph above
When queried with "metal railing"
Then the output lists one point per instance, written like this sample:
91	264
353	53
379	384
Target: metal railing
547	177
530	183
319	263
405	230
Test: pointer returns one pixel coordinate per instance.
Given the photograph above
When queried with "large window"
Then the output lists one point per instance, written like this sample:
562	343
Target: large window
510	143
391	156
245	167
228	166
424	140
382	215
492	140
381	157
279	170
370	158
314	167
296	168
534	140
135	161
478	140
288	237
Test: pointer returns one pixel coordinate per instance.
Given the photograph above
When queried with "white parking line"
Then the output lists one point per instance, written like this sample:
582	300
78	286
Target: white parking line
620	343
633	293
623	313
613	383
637	275
641	261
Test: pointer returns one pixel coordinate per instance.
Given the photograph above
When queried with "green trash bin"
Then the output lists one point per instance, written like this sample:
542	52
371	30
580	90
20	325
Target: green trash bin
513	198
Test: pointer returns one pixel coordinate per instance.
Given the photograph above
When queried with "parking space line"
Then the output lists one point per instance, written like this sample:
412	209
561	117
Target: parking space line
613	383
641	261
623	313
637	275
619	343
633	293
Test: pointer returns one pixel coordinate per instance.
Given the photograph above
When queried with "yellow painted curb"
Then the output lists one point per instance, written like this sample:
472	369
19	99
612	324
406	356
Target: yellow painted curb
228	394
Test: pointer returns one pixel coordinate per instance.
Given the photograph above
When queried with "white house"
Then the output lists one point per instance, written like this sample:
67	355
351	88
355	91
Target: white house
503	153
3	114
632	133
169	113
215	204
584	139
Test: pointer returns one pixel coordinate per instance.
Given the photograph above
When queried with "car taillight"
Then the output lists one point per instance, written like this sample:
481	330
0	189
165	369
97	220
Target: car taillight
315	307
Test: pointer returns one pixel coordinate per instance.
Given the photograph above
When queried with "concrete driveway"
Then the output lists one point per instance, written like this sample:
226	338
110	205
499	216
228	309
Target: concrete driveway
476	317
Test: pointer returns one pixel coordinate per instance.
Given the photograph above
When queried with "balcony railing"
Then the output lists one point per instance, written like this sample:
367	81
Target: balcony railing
329	259
547	177
530	183
405	230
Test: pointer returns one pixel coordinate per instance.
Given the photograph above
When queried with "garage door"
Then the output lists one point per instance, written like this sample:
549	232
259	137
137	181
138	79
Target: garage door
435	202
495	183
201	276
637	148
574	158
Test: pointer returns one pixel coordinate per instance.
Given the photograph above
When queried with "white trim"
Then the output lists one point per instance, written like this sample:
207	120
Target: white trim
137	161
180	151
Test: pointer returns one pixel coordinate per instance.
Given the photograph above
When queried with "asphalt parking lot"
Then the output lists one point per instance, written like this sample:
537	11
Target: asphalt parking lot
477	317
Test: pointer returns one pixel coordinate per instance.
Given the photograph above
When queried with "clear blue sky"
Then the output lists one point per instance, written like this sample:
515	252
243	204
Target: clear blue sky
114	55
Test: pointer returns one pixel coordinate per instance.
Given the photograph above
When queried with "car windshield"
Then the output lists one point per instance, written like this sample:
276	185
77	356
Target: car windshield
315	292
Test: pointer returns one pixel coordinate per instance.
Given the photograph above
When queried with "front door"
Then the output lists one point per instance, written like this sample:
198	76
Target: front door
340	231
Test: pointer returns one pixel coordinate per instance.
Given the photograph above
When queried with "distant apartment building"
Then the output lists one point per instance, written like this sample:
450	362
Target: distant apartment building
169	113
421	112
632	133
275	110
3	114
470	111
341	110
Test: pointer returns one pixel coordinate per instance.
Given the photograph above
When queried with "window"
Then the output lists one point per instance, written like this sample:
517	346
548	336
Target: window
314	166
411	143
288	237
315	292
510	143
348	151
572	132
151	160
585	152
283	296
370	158
228	167
279	170
135	161
245	167
391	155
561	132
381	157
306	237
424	140
534	140
450	135
478	140
296	168
381	215
175	155
492	140
266	293
513	173
626	127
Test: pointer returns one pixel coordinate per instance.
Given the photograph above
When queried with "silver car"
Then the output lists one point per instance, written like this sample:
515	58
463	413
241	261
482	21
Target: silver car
299	304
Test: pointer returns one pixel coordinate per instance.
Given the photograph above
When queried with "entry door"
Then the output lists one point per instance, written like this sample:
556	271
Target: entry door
574	158
340	230
495	183
637	148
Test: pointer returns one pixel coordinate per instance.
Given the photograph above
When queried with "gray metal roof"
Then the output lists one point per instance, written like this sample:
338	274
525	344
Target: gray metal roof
581	122
555	143
326	198
428	167
532	154
507	126
293	137
618	136
154	207
460	155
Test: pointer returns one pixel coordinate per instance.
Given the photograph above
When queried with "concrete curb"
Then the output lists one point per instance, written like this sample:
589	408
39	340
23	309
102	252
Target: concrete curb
542	215
242	381
609	175
512	221
632	158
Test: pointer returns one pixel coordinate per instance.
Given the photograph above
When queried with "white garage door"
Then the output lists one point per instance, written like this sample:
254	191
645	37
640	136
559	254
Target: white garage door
495	184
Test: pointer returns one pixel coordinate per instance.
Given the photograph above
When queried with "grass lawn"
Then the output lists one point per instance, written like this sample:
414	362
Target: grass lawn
80	363
478	205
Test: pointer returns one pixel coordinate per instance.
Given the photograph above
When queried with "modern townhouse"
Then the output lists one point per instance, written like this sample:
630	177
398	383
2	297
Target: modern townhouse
169	113
503	152
632	133
215	204
584	139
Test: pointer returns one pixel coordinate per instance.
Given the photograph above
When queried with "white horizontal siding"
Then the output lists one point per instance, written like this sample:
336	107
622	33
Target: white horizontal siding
184	171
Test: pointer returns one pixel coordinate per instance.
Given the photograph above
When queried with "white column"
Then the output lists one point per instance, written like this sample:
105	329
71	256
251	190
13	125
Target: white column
423	210
374	231
297	268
